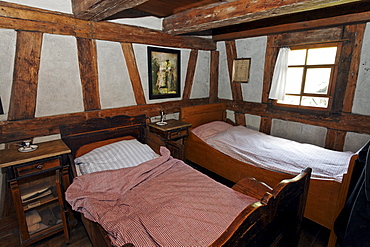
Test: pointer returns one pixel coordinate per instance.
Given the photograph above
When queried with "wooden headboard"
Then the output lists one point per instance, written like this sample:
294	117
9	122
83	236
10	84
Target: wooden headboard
100	129
201	114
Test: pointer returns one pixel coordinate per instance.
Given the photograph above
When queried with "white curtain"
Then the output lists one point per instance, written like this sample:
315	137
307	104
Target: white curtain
278	83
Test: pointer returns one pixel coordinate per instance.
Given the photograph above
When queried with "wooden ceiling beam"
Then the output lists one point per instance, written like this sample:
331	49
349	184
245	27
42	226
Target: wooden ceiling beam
97	10
298	26
236	12
19	17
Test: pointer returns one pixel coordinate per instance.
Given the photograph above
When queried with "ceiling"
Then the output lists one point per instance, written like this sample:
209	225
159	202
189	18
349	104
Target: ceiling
220	17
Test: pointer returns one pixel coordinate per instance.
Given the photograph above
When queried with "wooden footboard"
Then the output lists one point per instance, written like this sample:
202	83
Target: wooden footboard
275	220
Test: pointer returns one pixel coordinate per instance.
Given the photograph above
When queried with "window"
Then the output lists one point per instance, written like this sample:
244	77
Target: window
311	76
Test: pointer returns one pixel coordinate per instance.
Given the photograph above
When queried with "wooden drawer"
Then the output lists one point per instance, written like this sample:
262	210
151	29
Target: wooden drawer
177	133
37	167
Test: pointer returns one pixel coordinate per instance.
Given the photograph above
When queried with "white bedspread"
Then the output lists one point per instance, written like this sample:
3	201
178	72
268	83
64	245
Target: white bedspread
280	154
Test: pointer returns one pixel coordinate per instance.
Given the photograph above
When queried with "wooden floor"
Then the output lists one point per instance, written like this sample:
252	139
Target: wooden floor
312	236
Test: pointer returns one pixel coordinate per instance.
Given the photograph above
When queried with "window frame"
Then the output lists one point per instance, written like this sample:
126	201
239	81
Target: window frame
332	80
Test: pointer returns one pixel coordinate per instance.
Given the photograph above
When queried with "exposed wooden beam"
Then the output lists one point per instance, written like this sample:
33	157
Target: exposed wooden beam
335	139
347	122
236	88
190	74
236	12
213	80
12	16
24	89
298	26
128	52
88	64
358	31
265	125
96	10
49	125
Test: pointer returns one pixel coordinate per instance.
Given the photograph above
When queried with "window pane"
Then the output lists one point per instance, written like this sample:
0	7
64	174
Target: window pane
291	100
317	80
297	57
315	101
294	81
321	55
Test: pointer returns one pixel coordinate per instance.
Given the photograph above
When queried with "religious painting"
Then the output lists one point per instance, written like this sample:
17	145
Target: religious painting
164	73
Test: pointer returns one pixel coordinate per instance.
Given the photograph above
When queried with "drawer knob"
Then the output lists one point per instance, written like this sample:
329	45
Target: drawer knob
39	167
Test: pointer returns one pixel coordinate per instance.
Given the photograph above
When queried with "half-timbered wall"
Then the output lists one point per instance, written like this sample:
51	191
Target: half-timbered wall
346	129
57	69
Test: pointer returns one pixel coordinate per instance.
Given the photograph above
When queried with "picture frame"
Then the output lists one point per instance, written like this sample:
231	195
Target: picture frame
241	69
164	73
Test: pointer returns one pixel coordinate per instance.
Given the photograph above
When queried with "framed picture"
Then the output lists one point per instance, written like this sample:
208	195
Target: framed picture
164	73
241	68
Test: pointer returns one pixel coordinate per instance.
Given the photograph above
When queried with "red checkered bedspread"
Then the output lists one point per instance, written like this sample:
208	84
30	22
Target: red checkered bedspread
162	202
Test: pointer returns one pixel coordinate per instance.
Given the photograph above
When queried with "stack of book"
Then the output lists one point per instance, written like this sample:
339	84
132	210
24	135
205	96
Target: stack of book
31	195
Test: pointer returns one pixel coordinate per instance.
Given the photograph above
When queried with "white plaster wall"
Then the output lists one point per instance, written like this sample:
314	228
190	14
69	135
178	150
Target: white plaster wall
361	103
355	141
230	115
303	133
254	48
200	87
114	82
253	121
7	53
224	90
59	88
64	6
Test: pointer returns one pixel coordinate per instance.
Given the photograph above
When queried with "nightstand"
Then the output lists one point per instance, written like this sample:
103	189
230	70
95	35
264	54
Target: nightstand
37	182
173	134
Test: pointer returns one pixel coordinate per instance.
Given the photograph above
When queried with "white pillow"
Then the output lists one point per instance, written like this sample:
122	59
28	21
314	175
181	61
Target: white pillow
126	153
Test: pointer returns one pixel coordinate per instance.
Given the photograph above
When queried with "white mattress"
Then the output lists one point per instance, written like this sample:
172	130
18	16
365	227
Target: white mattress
279	154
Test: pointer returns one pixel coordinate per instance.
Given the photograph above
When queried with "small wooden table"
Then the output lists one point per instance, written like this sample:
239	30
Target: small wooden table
37	181
173	134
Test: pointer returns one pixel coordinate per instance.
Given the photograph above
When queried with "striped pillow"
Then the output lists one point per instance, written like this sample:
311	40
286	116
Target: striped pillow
126	153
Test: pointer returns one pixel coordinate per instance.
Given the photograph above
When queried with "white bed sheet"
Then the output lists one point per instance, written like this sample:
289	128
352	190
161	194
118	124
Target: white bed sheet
279	154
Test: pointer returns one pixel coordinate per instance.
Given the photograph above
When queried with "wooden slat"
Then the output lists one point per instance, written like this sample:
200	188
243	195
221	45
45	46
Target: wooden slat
42	126
88	63
24	89
298	26
97	10
359	31
213	81
133	71
190	74
12	16
236	12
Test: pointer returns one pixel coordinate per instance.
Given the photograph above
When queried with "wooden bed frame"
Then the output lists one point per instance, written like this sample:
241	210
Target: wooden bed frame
275	220
325	198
